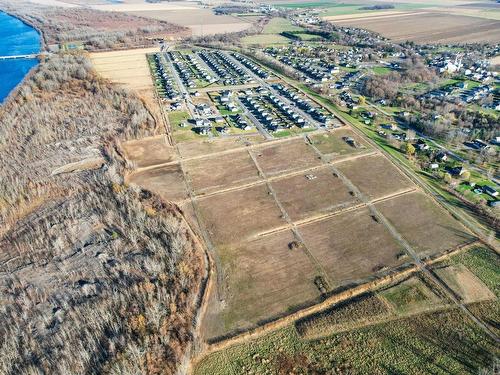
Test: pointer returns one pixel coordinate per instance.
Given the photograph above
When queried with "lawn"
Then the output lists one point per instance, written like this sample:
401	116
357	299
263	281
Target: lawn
381	70
278	25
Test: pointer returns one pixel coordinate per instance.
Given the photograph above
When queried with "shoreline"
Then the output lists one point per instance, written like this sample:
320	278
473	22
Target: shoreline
15	90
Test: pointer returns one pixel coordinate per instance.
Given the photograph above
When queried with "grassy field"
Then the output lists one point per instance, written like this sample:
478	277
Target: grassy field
322	194
168	182
425	343
333	143
271	33
405	328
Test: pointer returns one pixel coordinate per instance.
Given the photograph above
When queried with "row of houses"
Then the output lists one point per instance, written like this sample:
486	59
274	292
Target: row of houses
163	78
305	105
250	65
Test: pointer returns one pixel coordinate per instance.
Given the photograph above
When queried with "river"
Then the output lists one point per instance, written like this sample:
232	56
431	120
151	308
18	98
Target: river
16	38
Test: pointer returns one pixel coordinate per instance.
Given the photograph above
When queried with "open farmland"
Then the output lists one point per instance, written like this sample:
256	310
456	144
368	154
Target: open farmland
149	151
168	181
219	172
229	217
425	26
375	176
334	143
318	193
286	157
349	256
428	228
275	279
128	68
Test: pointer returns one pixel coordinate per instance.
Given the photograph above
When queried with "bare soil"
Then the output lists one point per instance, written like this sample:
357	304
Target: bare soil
263	278
220	172
149	151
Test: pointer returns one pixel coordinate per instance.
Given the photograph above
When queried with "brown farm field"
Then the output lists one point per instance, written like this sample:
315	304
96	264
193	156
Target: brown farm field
302	197
286	157
167	181
427	228
429	26
206	147
263	279
375	176
232	216
201	21
221	171
149	151
352	246
333	144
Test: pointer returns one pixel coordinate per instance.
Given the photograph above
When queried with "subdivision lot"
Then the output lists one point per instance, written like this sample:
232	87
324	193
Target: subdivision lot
375	176
210	146
221	171
167	181
149	151
428	228
232	216
352	246
335	142
263	278
312	193
286	157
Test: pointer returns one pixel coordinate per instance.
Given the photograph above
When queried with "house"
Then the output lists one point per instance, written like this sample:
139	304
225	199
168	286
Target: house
441	156
456	171
219	119
490	191
434	166
495	204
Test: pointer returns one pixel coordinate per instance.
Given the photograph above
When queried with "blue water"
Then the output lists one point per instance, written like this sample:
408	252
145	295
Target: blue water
16	38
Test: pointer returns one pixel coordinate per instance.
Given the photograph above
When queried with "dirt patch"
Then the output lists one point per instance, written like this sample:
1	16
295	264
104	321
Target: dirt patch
230	217
426	226
168	182
286	157
221	171
375	176
351	246
149	151
312	193
464	283
262	279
